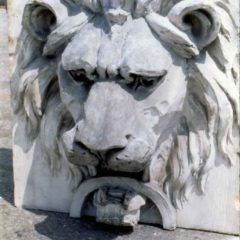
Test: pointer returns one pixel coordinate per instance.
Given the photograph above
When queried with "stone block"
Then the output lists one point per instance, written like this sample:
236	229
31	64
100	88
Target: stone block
127	112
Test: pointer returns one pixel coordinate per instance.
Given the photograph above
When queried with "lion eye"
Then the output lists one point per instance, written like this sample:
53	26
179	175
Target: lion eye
79	76
144	81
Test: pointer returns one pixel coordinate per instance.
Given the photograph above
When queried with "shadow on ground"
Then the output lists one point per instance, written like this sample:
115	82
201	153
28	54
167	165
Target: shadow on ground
6	175
59	226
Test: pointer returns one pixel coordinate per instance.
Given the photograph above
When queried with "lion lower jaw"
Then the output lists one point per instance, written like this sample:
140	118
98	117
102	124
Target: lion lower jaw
118	206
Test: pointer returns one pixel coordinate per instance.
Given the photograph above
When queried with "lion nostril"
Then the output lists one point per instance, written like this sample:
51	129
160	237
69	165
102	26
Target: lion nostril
129	136
112	151
122	158
81	149
81	146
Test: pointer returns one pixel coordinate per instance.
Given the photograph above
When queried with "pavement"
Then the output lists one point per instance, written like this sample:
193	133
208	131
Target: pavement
19	224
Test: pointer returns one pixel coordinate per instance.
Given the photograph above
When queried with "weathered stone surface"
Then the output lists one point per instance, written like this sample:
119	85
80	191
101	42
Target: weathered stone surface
128	100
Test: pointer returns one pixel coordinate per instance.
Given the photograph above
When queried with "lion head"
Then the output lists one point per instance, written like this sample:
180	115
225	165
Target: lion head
140	90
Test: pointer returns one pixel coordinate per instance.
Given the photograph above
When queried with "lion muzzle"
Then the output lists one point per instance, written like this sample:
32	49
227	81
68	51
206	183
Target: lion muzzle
112	135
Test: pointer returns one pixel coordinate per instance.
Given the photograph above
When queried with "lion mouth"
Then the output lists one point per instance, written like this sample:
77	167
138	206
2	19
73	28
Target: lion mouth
117	176
139	176
126	161
114	163
118	201
116	205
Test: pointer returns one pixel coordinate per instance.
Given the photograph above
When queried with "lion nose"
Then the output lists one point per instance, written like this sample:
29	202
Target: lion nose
99	142
108	118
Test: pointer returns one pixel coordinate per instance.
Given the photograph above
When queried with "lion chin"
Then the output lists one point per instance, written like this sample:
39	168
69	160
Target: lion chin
127	102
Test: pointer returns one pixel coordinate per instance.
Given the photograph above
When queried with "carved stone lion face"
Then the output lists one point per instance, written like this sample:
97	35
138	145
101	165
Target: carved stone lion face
125	92
137	84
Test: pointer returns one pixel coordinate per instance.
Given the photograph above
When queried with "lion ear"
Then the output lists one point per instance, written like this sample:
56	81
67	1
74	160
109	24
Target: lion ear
199	19
40	17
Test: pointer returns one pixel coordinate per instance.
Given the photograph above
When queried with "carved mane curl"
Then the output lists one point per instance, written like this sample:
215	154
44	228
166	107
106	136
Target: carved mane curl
210	118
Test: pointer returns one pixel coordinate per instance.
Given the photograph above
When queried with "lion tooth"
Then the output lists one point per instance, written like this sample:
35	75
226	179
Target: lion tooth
146	174
85	172
92	171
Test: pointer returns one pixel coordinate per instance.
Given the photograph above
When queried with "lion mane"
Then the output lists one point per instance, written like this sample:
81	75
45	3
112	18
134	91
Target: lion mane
206	132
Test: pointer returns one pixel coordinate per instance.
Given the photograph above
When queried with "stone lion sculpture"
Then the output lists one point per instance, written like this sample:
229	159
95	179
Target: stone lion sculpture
134	98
